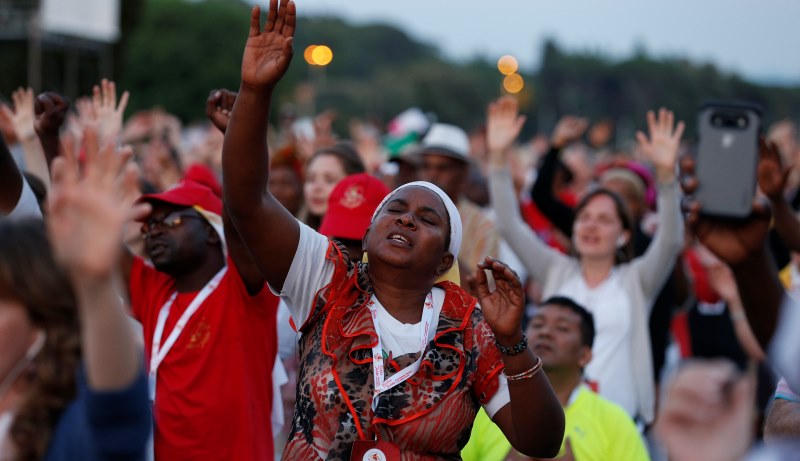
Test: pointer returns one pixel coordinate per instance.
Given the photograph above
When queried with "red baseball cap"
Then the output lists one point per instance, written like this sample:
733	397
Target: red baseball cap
189	194
202	174
351	205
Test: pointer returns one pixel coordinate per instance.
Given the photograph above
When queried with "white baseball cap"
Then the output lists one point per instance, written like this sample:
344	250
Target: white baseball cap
444	139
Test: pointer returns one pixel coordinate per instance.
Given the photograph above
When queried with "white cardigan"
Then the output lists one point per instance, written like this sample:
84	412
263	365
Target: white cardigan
642	277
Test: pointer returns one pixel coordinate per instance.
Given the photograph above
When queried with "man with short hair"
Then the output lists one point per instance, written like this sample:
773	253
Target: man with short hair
444	161
561	333
209	328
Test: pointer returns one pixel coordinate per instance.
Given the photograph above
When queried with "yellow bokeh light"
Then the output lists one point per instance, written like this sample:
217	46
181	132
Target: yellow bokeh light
507	65
513	83
322	55
307	54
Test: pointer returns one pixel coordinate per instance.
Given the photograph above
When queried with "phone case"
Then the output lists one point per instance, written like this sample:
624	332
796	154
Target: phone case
727	158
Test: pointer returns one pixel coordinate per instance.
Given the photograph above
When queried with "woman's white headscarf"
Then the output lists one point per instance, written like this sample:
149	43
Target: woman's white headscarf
453	215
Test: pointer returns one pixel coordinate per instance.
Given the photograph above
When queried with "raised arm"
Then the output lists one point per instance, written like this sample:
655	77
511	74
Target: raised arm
107	112
269	231
534	407
85	212
661	148
502	128
219	106
721	279
218	110
742	245
50	109
568	130
23	119
772	176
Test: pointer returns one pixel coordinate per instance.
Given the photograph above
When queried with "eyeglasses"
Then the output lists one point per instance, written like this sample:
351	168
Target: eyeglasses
169	221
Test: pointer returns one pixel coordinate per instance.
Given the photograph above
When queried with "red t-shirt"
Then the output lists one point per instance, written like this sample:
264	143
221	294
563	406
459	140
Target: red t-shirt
214	387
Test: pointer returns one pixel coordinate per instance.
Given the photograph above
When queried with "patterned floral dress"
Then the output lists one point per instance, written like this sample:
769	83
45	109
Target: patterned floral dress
428	416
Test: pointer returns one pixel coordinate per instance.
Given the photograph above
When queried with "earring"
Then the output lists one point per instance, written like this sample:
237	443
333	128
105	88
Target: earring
621	241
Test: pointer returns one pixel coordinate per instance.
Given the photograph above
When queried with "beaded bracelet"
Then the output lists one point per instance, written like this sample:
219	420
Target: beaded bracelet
527	373
515	349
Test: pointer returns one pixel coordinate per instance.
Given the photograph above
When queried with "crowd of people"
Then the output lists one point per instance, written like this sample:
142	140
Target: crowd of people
243	291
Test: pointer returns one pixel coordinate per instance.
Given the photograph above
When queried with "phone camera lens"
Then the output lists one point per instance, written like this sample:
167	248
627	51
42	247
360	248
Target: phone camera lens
741	122
716	121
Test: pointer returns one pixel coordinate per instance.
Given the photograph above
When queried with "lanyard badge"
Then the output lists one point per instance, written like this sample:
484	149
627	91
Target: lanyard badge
384	384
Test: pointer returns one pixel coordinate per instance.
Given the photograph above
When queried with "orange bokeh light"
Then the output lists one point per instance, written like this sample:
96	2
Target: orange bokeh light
308	54
513	83
322	55
507	65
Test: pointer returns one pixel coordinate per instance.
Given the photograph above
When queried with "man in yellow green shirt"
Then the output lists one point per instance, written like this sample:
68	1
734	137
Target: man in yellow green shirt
561	333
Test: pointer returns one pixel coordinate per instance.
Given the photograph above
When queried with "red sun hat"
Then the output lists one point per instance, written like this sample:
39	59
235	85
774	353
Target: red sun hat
189	194
351	205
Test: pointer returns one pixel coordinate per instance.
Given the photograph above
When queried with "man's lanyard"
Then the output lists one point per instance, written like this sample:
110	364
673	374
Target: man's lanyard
382	384
158	351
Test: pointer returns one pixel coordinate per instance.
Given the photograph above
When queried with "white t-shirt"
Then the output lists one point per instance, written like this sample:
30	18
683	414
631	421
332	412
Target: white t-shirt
611	354
311	271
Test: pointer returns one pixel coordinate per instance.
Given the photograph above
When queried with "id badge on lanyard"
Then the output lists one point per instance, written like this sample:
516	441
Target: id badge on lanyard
382	450
384	384
159	352
374	450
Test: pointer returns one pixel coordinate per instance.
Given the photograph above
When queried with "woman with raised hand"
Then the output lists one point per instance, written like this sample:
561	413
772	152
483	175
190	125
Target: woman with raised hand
390	360
601	276
71	380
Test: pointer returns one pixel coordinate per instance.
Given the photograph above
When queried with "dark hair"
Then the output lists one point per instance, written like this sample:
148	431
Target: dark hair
30	276
625	253
347	155
587	319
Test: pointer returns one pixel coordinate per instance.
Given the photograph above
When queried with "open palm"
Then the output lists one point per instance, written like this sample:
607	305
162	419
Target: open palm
268	52
662	146
88	207
503	124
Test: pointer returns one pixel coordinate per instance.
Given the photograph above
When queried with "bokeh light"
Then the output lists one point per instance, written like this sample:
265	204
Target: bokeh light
307	54
322	55
513	83
507	65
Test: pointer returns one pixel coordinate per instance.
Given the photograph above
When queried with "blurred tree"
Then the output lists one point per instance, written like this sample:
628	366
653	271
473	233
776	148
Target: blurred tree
181	51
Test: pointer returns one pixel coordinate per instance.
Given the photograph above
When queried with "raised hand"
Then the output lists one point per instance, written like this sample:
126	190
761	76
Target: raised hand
568	130
772	176
106	110
87	118
87	209
268	52
662	146
50	109
503	124
219	106
708	413
503	307
22	117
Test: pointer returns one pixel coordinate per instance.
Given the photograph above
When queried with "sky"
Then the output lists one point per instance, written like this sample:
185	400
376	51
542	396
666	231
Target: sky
759	39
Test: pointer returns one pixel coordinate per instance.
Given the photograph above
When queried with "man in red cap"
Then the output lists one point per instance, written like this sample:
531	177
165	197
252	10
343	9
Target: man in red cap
209	330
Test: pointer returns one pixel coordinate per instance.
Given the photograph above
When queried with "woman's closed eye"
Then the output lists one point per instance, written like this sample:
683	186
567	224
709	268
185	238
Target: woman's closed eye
429	220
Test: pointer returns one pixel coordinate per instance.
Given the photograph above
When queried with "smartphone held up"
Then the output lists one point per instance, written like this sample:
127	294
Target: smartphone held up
727	157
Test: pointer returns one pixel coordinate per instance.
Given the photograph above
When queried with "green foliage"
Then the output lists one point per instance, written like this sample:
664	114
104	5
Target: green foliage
181	51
